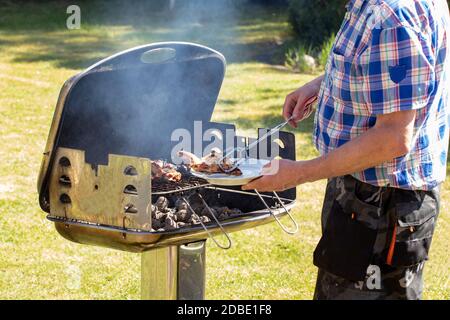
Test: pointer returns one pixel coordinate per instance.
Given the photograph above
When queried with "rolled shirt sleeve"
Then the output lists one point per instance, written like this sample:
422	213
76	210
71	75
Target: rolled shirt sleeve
396	71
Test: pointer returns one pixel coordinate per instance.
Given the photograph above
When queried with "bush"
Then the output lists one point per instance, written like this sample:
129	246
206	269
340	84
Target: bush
299	58
314	21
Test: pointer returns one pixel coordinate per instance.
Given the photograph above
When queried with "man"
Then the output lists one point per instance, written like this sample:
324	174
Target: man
382	129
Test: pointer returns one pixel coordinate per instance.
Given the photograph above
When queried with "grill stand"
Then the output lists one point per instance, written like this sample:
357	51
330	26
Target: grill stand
174	272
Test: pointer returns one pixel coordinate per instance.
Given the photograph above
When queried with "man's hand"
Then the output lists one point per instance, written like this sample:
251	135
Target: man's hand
278	175
295	103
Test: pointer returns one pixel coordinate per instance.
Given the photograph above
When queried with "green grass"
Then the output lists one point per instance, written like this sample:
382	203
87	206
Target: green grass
37	54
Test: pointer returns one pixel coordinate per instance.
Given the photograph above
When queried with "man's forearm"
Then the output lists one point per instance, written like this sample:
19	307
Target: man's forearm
372	148
319	80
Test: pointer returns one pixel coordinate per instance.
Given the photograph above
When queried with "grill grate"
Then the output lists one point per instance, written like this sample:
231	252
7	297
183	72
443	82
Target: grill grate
187	183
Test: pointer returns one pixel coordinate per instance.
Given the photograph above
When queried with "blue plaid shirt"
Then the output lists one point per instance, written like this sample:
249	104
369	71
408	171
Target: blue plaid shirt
390	56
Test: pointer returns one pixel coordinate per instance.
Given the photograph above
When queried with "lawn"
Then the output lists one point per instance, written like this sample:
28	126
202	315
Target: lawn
37	54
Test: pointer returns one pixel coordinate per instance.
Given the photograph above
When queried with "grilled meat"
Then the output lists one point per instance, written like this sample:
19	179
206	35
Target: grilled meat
209	163
188	158
165	170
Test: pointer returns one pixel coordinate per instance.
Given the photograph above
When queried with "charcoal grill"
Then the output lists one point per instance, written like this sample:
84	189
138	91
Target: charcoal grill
110	121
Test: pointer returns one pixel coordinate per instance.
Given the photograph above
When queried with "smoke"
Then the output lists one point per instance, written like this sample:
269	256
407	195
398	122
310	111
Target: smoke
202	11
134	104
212	23
209	22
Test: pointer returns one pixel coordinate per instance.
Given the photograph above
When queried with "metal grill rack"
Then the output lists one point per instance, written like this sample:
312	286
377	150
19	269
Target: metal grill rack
187	183
190	186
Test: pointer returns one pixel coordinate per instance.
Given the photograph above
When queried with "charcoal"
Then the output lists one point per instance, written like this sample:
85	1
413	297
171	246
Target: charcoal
194	219
162	203
197	206
156	213
179	216
170	224
157	224
180	205
181	224
172	216
160	215
205	219
221	210
223	216
206	213
183	215
234	212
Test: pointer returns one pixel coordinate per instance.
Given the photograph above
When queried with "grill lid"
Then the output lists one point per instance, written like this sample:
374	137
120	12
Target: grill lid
131	103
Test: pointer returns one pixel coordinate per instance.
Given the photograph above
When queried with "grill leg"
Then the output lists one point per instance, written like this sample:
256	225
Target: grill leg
159	274
191	271
174	272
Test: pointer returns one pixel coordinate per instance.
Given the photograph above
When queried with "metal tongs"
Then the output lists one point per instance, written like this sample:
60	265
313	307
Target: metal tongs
245	150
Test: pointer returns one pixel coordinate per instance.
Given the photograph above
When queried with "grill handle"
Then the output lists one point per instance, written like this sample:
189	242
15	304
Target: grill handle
275	216
225	247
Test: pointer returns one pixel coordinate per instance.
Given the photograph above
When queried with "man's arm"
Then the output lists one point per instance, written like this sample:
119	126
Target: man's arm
389	138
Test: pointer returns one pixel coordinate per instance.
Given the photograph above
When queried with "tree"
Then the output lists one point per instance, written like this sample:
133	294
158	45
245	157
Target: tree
314	21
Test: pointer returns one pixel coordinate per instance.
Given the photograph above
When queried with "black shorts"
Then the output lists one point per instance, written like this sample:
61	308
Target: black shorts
375	240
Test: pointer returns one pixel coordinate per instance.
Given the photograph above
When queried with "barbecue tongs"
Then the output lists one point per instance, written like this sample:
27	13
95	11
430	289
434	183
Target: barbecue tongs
242	152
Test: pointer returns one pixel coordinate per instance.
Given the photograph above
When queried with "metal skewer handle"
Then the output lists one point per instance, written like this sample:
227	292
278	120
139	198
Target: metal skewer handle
275	216
228	246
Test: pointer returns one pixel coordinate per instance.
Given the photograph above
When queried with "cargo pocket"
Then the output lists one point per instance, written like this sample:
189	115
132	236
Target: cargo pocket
347	244
412	232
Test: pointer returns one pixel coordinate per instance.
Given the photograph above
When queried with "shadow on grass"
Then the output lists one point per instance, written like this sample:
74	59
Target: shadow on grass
241	34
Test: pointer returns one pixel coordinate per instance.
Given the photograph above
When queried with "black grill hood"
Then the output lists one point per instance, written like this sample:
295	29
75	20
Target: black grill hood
125	106
131	102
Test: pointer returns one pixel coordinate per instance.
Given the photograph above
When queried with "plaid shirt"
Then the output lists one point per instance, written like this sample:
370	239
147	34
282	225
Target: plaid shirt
390	55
